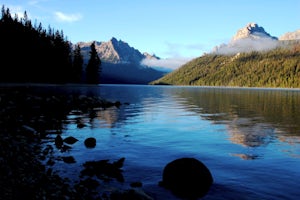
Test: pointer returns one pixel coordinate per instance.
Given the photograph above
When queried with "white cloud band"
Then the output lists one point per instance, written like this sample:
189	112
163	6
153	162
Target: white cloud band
62	17
171	63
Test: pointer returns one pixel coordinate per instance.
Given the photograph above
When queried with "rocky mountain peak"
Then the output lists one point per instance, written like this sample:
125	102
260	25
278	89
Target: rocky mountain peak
122	63
249	38
116	43
113	40
116	52
252	31
107	51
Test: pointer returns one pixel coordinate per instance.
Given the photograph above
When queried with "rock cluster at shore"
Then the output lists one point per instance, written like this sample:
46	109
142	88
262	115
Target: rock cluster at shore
25	119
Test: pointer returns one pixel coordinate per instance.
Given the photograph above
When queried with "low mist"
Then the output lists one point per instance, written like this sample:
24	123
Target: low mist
246	45
168	63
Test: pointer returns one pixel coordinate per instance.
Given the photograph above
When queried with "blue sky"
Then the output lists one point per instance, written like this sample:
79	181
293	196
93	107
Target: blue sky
168	28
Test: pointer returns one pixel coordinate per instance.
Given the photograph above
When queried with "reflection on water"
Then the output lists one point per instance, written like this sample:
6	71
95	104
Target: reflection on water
108	116
253	117
249	133
262	125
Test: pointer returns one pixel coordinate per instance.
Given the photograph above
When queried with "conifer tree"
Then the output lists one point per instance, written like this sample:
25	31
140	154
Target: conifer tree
77	65
93	69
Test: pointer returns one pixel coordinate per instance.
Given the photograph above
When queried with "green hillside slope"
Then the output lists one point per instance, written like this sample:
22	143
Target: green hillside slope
276	68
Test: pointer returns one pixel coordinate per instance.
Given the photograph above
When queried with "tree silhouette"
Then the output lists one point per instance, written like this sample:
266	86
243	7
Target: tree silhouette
33	54
93	69
77	65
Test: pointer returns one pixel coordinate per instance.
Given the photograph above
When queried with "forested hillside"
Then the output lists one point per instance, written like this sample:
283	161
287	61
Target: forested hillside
275	68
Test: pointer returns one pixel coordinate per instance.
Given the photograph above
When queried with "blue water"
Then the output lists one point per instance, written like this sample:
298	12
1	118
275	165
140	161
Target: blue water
248	138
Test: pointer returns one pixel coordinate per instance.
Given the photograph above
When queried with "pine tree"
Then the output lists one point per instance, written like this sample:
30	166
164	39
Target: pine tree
77	65
93	69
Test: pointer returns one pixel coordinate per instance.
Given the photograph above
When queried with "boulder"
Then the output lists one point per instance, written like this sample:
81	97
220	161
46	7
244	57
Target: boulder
187	178
90	142
70	140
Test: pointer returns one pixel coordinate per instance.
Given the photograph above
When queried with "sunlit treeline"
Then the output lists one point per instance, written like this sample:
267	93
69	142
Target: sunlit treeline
279	67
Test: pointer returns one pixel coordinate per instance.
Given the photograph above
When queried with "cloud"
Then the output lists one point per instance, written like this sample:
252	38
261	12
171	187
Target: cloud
62	17
170	63
246	45
35	2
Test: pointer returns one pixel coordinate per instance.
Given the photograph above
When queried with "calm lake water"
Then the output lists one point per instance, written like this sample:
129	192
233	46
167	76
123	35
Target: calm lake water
248	138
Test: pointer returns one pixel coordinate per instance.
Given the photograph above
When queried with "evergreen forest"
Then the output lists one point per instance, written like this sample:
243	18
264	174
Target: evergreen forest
32	54
279	67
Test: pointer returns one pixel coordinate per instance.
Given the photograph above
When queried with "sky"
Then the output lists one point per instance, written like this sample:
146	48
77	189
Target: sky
171	29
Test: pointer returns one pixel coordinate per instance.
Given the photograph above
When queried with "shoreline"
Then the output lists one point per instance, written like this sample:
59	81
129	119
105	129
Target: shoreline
25	166
7	85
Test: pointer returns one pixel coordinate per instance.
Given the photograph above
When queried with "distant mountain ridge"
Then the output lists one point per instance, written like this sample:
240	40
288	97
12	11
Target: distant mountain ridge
122	63
116	52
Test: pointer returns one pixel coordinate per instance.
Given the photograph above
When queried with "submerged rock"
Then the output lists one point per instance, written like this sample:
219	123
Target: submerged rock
90	142
69	159
131	194
70	140
187	178
58	141
104	170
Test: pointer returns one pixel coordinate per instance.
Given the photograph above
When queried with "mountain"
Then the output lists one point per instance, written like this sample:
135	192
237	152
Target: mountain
253	31
291	35
121	63
245	65
150	57
249	38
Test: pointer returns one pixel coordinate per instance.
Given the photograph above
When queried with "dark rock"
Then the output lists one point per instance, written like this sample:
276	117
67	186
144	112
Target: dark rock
65	148
136	184
58	141
70	140
119	163
69	159
103	170
131	194
89	183
117	104
90	142
81	125
187	178
50	162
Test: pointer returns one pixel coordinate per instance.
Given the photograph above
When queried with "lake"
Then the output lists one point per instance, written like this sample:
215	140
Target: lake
249	138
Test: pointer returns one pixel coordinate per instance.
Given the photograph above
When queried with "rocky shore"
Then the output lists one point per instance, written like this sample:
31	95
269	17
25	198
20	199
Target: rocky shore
25	119
29	118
